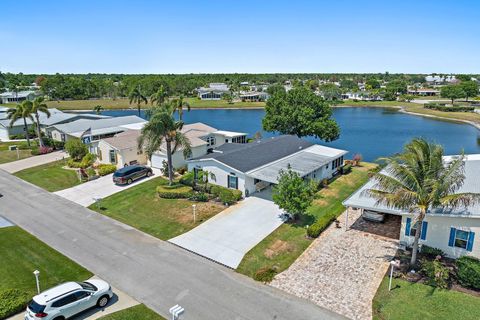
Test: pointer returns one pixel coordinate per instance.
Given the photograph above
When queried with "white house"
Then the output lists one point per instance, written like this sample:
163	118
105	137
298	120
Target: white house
423	92
254	166
452	231
254	96
214	91
15	97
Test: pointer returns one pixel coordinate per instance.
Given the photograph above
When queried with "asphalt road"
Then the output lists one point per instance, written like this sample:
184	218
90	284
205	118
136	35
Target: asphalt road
152	271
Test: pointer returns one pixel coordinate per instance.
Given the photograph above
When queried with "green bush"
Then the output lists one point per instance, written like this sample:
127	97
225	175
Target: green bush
12	301
76	149
35	151
87	160
199	196
436	273
187	179
432	252
322	223
182	170
104	169
346	168
229	195
226	197
74	164
468	272
439	107
176	191
265	274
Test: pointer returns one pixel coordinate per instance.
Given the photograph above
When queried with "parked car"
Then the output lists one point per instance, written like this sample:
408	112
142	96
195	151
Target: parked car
129	174
373	216
68	299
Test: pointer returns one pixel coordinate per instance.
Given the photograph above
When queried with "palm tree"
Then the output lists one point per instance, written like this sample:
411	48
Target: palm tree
24	111
418	180
136	96
98	109
39	105
179	104
163	128
159	97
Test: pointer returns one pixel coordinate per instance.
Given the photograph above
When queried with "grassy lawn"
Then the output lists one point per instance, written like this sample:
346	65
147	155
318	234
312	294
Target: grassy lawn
134	313
418	301
22	253
51	176
9	156
283	246
141	208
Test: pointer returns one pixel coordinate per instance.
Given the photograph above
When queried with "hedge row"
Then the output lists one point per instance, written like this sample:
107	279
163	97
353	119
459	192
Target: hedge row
321	224
225	195
104	169
468	272
12	301
176	191
439	107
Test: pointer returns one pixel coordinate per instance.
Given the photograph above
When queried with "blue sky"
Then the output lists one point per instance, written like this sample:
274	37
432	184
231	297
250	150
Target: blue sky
239	36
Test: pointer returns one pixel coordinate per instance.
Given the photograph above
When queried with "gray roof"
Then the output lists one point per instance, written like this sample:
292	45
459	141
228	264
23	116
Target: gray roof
248	156
471	184
80	126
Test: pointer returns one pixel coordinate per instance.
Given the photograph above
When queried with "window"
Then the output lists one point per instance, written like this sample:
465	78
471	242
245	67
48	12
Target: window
64	301
461	239
233	182
411	229
211	141
81	294
113	158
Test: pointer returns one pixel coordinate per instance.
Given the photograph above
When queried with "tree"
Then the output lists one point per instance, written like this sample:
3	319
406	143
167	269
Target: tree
163	128
76	149
470	89
178	105
98	109
372	84
292	193
463	77
159	97
21	111
274	88
452	92
349	85
417	180
136	96
39	105
300	112
330	91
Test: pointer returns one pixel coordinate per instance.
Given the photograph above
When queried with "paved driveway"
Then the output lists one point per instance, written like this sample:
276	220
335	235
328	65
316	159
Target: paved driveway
26	163
151	271
229	235
84	193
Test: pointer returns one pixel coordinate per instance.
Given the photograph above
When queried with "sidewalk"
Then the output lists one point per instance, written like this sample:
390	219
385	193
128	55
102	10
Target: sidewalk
15	166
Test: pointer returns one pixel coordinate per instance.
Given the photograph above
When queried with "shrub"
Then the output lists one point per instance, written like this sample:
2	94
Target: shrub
199	196
468	272
439	107
225	195
432	252
182	170
87	160
436	273
321	224
12	301
265	274
35	151
165	168
187	179
104	169
73	164
346	168
76	149
91	172
176	191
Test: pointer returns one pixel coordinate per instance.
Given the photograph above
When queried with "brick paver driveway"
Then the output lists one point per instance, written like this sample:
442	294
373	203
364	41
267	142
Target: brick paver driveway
341	270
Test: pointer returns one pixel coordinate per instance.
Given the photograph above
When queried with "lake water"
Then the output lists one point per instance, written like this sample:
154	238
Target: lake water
372	132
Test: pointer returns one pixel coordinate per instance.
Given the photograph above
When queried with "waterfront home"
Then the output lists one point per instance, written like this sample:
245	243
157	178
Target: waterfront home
426	92
452	231
255	166
15	97
214	91
361	95
253	96
121	150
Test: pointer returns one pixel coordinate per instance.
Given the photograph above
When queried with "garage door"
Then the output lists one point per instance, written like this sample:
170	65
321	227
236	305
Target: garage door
157	160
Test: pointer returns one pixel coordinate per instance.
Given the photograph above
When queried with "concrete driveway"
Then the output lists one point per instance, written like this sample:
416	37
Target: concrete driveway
84	193
229	235
15	166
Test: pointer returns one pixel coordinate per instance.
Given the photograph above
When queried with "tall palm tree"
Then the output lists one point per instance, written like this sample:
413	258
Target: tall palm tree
159	97
163	128
39	105
178	105
136	96
21	111
418	180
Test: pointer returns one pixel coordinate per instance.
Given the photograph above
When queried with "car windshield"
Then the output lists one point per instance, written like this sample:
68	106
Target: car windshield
87	286
119	173
35	307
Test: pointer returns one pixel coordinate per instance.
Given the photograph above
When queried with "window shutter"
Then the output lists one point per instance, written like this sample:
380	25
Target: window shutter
451	240
423	233
471	237
407	226
236	182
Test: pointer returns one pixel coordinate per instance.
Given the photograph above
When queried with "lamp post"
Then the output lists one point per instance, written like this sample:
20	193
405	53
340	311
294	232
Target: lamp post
393	264
194	206
37	273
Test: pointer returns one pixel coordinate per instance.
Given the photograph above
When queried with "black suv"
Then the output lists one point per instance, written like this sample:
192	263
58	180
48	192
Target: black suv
129	174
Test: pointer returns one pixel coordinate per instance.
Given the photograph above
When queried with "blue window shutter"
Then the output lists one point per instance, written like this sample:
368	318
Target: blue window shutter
407	227
471	237
423	233
451	241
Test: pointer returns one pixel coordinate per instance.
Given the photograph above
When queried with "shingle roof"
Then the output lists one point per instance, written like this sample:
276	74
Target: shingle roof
124	140
245	157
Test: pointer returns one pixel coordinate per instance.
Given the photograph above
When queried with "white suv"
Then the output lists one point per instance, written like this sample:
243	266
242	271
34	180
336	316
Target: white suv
65	300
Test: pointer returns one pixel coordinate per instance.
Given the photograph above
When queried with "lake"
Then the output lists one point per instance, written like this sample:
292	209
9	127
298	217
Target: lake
372	132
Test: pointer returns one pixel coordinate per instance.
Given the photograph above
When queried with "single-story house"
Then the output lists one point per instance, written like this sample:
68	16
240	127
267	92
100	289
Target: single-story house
93	130
424	92
254	96
121	149
214	91
361	95
15	97
254	166
452	231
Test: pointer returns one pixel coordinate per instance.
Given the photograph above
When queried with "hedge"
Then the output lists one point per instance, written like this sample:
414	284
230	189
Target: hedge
468	272
225	195
176	191
436	106
187	179
321	224
104	169
12	301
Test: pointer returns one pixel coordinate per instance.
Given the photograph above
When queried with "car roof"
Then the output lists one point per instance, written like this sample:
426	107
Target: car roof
52	293
127	168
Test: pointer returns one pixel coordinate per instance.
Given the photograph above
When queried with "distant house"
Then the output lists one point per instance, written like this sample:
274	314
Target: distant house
452	231
15	97
214	91
361	95
426	92
121	149
255	166
254	96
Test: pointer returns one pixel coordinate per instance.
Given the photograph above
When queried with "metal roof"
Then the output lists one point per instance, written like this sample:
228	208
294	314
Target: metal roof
100	124
471	184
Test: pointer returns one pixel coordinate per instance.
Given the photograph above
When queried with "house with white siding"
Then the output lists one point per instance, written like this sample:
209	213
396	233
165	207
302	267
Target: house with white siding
452	231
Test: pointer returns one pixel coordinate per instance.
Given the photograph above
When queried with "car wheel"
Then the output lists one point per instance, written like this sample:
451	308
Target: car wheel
129	181
103	301
59	318
149	173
